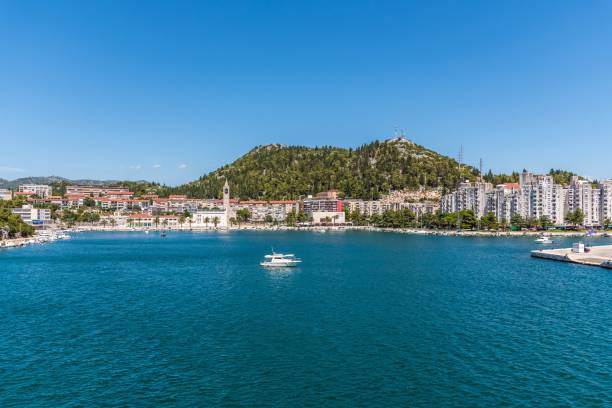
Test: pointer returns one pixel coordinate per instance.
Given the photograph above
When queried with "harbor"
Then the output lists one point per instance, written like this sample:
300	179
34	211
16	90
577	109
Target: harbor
594	256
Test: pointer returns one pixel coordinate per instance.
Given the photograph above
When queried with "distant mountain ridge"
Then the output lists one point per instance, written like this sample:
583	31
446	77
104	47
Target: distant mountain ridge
14	184
277	171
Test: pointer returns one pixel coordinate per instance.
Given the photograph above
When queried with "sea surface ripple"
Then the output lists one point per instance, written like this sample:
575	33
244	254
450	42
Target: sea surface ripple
369	319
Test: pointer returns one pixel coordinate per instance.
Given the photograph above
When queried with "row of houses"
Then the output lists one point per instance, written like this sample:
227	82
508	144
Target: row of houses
535	196
322	208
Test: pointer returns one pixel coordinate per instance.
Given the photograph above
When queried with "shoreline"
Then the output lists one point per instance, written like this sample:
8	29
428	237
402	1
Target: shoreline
57	233
411	231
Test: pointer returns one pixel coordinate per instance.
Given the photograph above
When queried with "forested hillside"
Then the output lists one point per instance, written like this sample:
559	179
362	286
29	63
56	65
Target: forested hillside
371	170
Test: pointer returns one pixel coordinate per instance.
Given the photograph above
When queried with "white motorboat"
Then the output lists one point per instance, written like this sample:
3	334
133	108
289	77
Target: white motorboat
544	240
280	260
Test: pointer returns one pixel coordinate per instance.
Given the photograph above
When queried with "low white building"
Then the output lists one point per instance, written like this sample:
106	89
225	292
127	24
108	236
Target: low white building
328	217
33	216
207	218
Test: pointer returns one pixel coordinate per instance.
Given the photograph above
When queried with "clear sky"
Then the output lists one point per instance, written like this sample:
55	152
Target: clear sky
171	90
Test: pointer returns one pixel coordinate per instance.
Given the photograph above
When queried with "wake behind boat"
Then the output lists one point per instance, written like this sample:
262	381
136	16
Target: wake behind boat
280	260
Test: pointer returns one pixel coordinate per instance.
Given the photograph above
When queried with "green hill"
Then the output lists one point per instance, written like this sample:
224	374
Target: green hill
369	171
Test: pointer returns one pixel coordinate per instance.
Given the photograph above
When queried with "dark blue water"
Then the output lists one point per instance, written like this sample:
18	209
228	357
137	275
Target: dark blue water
369	319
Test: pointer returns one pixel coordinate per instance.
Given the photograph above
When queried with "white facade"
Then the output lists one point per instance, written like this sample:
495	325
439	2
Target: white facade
31	215
41	190
206	219
537	196
581	195
468	197
605	207
328	217
5	194
260	210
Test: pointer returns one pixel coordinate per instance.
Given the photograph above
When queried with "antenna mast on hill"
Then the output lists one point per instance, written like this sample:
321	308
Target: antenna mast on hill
480	167
460	159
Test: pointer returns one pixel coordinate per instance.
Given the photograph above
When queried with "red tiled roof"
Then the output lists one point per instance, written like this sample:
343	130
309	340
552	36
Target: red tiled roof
252	202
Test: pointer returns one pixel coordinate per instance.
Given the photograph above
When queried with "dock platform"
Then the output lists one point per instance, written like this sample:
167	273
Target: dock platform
597	256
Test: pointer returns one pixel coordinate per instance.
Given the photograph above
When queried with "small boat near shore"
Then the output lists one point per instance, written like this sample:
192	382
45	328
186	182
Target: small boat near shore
280	260
544	240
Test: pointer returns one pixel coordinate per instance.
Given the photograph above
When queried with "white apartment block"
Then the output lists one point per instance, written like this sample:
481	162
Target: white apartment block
277	210
468	197
582	195
41	190
535	196
605	207
376	207
33	216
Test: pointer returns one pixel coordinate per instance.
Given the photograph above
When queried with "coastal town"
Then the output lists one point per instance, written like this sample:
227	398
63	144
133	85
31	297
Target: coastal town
536	202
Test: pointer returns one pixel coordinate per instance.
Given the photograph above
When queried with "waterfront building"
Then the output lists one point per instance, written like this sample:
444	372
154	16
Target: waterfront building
207	218
41	190
117	219
33	216
534	197
276	210
143	220
366	207
328	217
606	202
541	197
581	195
323	202
469	196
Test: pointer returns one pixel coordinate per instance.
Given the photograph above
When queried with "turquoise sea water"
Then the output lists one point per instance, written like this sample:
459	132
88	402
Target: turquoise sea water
369	319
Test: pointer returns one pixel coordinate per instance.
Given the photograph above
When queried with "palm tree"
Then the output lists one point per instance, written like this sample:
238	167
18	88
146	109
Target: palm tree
165	222
206	220
156	221
104	222
189	219
181	220
113	222
215	221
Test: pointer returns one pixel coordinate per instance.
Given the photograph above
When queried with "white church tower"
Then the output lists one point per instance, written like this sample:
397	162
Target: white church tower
226	202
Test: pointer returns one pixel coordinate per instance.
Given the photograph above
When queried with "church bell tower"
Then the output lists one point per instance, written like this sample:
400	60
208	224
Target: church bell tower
226	202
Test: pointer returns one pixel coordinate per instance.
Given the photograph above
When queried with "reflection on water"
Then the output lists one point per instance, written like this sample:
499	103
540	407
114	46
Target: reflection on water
281	272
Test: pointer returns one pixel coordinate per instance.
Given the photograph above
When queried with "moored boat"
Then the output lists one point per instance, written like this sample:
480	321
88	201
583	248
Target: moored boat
280	260
544	240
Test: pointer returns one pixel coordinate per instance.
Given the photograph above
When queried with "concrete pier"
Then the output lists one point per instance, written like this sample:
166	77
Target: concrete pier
597	256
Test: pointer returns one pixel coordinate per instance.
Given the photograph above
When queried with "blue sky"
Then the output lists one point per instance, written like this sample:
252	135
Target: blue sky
168	91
